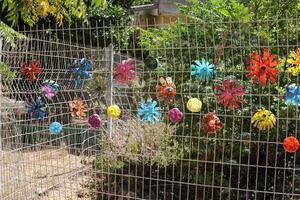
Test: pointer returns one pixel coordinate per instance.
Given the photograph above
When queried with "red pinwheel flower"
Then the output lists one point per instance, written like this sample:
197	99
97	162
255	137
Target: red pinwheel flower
30	70
261	69
211	123
124	71
229	94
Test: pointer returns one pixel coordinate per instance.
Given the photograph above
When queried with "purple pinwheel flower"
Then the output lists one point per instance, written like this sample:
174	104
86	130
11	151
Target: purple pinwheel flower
48	91
94	121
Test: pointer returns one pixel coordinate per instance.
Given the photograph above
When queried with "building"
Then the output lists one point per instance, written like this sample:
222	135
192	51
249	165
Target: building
159	12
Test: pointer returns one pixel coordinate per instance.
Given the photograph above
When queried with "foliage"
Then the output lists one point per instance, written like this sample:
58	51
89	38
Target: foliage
31	11
97	84
150	143
4	69
225	33
9	35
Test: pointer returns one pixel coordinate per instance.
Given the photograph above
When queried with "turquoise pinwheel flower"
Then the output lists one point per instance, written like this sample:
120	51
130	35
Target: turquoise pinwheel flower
149	111
55	127
292	94
201	69
37	109
81	70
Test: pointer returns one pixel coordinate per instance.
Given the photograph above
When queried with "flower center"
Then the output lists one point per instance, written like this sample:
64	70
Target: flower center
264	115
228	95
263	68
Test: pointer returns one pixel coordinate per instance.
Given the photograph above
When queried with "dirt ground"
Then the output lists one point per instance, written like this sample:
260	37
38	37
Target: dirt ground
41	175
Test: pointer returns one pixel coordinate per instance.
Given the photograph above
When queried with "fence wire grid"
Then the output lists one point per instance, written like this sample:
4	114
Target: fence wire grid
239	162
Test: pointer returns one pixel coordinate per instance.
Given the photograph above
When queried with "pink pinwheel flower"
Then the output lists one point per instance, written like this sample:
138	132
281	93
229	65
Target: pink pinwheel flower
229	94
175	115
48	91
124	71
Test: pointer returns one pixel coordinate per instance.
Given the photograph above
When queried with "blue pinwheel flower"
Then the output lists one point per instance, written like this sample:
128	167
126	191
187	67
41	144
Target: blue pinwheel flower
37	109
202	70
149	111
292	94
80	69
55	127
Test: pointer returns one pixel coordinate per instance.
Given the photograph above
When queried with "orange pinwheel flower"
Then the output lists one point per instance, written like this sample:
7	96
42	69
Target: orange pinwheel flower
261	69
167	90
78	108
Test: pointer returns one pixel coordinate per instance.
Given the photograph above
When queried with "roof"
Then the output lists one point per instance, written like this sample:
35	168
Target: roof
160	6
151	6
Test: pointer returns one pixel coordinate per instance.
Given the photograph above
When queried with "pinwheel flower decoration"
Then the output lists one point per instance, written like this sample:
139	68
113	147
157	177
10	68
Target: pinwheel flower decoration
175	115
294	62
263	119
37	109
211	123
291	144
94	121
149	111
194	105
30	70
229	93
292	94
261	69
167	90
81	70
78	108
114	111
125	71
55	128
50	88
202	70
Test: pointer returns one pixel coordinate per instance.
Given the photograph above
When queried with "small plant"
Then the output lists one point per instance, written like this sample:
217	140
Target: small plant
148	143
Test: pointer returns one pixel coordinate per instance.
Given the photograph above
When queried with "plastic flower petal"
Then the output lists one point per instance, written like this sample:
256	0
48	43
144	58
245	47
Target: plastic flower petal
175	115
78	108
81	70
229	93
37	109
211	123
167	91
114	111
201	69
50	89
263	119
30	70
194	105
149	111
292	94
291	144
94	121
294	62
55	128
261	69
125	71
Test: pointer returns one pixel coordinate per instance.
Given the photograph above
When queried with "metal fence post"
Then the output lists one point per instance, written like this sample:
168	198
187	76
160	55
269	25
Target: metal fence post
0	92
109	57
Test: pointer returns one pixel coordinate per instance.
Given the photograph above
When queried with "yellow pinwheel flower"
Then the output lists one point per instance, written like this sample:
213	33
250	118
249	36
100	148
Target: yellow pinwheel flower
263	119
114	111
294	61
194	105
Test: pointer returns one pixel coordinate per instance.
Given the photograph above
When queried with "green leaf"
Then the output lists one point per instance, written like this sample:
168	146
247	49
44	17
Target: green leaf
4	69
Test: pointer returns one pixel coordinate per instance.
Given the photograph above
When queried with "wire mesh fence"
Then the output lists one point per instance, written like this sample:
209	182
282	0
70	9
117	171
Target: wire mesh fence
129	160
